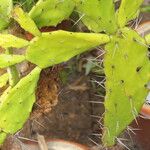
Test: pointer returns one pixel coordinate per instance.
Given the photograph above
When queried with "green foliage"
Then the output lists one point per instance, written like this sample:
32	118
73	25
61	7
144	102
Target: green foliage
8	40
59	46
51	12
3	80
9	60
16	103
98	15
127	69
128	10
5	10
25	21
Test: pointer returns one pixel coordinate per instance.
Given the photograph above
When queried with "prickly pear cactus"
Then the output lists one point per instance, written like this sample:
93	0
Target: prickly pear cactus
46	49
98	15
3	79
51	12
8	60
5	10
147	38
59	46
16	104
128	10
127	69
25	21
8	40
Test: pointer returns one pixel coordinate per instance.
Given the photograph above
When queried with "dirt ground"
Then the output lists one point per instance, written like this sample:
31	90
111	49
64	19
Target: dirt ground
75	117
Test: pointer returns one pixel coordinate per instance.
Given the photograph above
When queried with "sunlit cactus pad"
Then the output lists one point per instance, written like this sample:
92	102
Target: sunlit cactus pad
16	104
59	46
51	12
127	69
5	10
98	15
129	10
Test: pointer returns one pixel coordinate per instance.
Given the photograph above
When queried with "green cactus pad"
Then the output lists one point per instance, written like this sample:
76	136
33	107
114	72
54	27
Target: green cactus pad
8	40
127	69
129	9
5	10
3	136
16	104
9	60
59	46
4	79
98	15
147	38
51	12
25	21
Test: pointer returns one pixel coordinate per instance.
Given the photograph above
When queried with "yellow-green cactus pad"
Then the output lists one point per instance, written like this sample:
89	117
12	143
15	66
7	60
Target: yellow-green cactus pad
98	15
9	60
8	40
3	136
147	38
5	10
16	104
59	46
51	12
25	21
127	69
3	79
129	9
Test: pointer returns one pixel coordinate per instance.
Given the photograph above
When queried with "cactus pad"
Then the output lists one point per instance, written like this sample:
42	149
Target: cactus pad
25	21
5	10
129	9
147	38
127	69
51	12
98	15
16	103
59	46
3	79
9	60
8	40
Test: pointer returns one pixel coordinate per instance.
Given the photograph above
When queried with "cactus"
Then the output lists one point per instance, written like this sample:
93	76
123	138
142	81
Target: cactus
26	4
61	46
51	12
98	15
128	10
25	21
3	79
46	49
20	97
126	59
147	38
8	40
127	69
9	60
5	10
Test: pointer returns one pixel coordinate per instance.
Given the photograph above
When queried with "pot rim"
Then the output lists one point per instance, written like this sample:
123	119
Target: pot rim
59	141
145	111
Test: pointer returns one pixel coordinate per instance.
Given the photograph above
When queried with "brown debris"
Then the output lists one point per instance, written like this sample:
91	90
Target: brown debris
47	92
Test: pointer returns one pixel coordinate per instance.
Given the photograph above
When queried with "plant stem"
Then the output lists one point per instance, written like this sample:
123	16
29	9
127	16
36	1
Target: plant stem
12	72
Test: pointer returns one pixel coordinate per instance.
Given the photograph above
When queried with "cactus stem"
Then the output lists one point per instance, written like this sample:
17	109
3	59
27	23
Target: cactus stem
12	72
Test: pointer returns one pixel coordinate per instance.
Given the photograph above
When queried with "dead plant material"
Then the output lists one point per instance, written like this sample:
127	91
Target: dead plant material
47	92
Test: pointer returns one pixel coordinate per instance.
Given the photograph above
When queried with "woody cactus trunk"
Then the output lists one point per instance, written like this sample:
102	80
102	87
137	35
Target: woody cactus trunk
126	62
